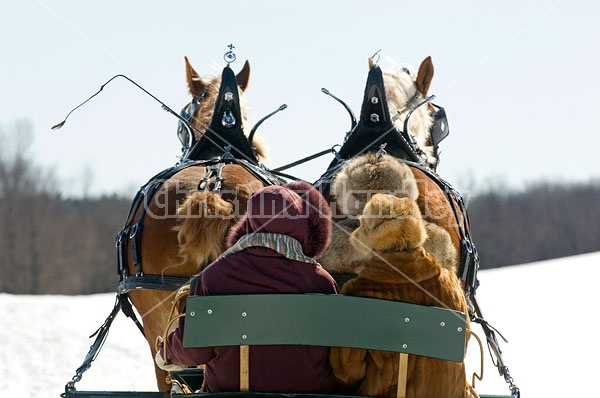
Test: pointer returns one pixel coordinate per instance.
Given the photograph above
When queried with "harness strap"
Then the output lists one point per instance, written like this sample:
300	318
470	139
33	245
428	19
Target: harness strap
101	334
213	172
495	351
151	282
468	274
469	258
288	176
266	176
125	234
133	231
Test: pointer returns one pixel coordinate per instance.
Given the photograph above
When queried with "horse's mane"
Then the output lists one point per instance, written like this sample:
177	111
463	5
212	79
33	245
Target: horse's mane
400	87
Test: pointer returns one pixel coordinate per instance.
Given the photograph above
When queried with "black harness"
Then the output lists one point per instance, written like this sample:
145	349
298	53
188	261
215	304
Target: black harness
130	235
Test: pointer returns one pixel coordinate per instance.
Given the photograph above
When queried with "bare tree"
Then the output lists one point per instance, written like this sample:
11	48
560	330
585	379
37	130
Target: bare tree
16	183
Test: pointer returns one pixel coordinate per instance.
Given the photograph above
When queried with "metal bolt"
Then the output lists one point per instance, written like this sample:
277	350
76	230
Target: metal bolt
244	337
404	345
228	96
192	313
375	118
209	312
460	329
442	323
374	100
244	314
406	319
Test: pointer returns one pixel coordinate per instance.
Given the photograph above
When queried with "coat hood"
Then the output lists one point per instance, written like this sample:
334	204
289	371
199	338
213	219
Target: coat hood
295	209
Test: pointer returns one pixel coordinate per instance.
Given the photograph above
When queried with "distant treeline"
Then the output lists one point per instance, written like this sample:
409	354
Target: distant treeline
53	245
50	244
544	221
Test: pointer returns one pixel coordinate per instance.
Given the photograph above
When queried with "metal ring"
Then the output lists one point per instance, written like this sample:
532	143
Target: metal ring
229	56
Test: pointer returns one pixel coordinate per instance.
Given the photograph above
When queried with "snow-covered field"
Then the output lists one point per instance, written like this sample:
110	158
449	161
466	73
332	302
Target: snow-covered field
544	309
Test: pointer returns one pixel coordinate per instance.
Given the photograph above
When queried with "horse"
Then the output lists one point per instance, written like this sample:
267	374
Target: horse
393	149
179	220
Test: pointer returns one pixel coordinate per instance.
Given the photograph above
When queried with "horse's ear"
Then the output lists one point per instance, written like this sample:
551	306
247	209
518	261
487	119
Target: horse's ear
195	83
425	76
371	63
243	77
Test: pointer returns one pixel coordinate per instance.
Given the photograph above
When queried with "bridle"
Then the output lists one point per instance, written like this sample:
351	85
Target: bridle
185	127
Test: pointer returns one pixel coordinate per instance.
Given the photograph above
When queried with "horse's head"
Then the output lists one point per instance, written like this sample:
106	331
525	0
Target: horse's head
396	116
404	92
217	114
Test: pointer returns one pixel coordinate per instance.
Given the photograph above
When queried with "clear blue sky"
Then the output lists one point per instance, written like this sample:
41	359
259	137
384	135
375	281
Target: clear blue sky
518	80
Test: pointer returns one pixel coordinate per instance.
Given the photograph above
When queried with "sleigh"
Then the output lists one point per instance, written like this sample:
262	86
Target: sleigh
311	319
291	319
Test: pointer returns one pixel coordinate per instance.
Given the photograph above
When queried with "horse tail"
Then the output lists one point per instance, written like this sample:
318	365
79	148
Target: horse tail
204	221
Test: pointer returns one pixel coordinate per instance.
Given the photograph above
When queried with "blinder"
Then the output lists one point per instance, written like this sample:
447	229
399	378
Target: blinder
184	126
440	129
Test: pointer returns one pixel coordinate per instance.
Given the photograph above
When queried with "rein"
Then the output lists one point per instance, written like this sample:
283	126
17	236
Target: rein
469	265
406	137
304	160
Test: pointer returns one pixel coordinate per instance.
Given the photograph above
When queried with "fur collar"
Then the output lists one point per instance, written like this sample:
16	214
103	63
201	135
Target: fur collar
368	174
401	267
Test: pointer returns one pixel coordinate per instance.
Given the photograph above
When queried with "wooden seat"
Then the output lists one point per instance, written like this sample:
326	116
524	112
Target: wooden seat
325	320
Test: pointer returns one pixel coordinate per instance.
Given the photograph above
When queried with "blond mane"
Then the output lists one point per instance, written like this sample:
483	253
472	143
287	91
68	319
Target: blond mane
401	86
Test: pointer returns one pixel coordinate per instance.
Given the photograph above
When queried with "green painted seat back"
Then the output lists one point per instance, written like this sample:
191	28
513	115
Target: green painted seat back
325	320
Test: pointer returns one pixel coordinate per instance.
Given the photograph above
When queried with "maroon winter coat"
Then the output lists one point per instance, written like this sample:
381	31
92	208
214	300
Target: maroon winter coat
264	270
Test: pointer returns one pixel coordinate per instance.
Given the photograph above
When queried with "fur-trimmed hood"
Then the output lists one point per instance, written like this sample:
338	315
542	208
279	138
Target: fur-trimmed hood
389	223
372	173
296	209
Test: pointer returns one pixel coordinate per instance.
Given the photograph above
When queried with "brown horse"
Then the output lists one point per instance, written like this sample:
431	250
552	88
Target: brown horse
393	150
179	221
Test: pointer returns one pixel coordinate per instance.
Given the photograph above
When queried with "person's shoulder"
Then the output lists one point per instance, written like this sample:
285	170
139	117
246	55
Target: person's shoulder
211	277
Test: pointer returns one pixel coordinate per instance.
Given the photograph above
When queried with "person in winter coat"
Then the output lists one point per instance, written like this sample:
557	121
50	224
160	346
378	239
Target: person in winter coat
272	250
396	267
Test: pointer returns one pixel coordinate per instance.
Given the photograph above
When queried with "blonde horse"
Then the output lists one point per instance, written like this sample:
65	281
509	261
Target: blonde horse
179	220
393	149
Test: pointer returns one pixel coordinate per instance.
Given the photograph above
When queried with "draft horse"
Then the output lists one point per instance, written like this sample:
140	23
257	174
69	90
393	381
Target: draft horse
394	149
179	220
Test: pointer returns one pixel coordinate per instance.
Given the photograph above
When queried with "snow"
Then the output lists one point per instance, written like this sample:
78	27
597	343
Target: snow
544	309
